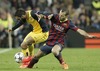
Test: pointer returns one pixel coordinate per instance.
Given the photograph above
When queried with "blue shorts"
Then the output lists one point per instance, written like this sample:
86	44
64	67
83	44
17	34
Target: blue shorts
47	49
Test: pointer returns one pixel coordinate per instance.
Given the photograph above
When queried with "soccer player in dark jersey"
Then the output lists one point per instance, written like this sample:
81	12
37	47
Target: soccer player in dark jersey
60	24
39	34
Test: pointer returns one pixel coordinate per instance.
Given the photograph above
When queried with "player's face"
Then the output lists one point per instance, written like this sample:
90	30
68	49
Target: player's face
18	18
62	16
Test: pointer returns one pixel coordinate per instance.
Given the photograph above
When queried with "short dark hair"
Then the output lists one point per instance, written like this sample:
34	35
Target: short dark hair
65	10
20	12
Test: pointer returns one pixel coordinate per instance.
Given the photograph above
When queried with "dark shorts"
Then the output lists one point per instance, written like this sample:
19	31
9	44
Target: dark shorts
47	49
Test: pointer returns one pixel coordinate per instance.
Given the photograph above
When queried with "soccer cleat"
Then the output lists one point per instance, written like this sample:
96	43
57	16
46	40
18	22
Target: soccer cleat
27	59
25	62
24	65
64	65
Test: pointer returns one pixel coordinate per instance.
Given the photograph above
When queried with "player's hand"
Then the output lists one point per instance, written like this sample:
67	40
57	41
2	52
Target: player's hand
40	16
10	30
50	16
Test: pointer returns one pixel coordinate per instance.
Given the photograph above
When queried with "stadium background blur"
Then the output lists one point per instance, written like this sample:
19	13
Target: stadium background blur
83	13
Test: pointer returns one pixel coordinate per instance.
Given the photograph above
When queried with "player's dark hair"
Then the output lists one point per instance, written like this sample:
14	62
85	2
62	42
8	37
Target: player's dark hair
66	11
20	12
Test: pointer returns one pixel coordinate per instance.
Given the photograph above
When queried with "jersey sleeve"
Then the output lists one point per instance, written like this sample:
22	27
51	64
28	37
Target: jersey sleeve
34	15
19	23
72	26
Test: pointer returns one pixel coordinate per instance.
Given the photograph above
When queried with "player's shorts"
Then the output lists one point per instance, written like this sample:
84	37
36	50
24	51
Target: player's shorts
38	37
47	49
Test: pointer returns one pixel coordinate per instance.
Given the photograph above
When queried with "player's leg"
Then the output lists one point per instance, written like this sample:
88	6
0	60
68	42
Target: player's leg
27	45
31	48
42	52
25	52
40	37
37	38
56	50
30	54
33	38
35	59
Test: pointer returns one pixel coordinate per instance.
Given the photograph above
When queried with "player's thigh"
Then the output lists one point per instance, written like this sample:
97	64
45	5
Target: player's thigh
36	37
39	54
29	39
46	49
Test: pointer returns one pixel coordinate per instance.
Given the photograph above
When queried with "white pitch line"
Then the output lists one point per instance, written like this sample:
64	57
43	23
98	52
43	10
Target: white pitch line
4	50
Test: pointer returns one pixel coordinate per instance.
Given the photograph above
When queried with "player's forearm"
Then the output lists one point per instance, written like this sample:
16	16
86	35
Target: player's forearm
44	13
82	32
17	25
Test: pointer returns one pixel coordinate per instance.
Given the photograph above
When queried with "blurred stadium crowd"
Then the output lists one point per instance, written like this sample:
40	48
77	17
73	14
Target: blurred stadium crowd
83	13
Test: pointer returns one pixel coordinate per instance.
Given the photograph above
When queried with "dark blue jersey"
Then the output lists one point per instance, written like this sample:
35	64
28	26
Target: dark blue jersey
58	30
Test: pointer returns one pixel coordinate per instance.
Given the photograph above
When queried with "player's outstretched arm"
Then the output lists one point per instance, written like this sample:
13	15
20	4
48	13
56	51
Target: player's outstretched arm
44	15
16	26
84	33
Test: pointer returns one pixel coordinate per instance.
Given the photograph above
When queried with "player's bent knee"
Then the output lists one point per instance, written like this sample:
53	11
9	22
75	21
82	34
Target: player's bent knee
24	46
54	52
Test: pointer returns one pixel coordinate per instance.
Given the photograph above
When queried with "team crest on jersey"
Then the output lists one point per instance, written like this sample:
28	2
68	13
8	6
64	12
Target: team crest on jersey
59	28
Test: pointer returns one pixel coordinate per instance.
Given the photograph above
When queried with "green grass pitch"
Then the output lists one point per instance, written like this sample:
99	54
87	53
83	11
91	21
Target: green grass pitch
78	59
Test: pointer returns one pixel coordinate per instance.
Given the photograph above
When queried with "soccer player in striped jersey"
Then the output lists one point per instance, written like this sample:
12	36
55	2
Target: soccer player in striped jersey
40	30
60	24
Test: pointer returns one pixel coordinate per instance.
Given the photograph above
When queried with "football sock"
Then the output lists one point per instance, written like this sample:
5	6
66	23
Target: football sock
32	62
59	57
25	52
30	48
